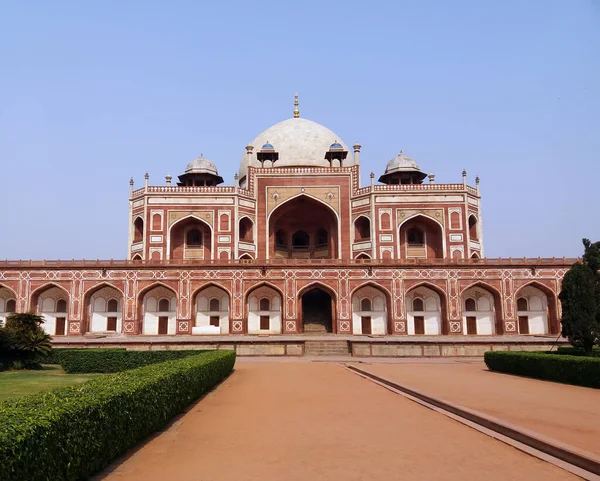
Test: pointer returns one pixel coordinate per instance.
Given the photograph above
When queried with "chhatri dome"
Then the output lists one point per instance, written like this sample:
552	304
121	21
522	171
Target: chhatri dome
402	169
299	143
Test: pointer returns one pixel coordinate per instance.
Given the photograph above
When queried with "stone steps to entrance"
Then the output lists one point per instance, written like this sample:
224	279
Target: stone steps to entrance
326	348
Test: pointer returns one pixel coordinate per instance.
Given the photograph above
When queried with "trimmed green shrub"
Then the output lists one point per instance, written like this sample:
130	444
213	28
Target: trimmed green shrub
81	361
55	356
73	432
576	351
582	371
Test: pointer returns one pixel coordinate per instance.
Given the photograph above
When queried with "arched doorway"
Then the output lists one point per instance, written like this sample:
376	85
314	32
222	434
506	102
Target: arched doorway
317	311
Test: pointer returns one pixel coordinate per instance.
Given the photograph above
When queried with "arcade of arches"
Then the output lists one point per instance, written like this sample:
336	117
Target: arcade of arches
425	310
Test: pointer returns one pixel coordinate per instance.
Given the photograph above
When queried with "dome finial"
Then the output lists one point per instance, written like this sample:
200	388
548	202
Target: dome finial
296	111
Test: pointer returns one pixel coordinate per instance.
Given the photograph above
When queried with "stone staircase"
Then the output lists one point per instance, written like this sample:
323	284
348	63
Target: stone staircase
314	328
326	348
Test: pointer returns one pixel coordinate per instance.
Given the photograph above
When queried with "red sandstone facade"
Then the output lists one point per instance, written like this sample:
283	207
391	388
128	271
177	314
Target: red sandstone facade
296	247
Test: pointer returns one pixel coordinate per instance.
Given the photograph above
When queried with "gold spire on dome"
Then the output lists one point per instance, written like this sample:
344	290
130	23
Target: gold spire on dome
296	111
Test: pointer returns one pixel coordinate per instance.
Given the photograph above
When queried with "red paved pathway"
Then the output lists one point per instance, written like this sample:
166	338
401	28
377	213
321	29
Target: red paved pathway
570	414
317	421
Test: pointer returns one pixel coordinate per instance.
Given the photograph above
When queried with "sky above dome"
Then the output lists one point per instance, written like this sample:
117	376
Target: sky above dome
94	93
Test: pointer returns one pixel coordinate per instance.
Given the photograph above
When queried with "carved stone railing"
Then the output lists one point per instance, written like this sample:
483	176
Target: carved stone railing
396	263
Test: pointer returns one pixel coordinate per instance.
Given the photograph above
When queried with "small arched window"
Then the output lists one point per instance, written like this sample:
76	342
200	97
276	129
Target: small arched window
418	305
470	305
365	304
214	304
300	240
265	304
138	230
415	237
61	305
164	305
112	305
522	304
11	305
193	238
136	258
246	230
322	238
473	228
362	229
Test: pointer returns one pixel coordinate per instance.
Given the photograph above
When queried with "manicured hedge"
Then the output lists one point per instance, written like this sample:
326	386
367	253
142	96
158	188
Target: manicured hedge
575	351
54	357
71	433
582	371
79	361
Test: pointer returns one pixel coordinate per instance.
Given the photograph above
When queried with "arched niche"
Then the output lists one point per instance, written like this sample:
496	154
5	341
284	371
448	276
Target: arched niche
369	311
421	237
260	319
479	306
190	239
212	311
536	310
303	228
159	307
52	303
104	307
425	312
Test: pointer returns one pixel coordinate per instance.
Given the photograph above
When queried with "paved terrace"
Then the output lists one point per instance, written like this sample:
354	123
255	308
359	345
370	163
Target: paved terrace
318	421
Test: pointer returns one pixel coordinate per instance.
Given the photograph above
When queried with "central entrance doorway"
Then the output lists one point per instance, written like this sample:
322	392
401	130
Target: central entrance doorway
317	308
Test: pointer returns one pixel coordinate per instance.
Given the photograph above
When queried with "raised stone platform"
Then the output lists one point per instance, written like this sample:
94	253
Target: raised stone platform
300	345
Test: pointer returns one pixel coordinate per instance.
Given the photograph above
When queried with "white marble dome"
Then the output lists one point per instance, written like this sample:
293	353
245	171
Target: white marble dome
402	163
201	166
299	142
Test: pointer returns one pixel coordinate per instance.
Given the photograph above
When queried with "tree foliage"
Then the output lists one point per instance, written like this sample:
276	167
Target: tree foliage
580	299
23	342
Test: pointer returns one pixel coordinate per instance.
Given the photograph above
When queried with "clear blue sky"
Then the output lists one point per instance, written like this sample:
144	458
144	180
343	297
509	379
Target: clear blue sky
92	93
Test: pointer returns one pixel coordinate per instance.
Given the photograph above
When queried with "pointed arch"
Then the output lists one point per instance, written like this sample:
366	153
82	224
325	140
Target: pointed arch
53	324
498	307
246	229
428	242
318	311
260	322
318	285
363	256
35	294
4	286
246	257
362	228
263	284
86	324
444	321
138	229
369	316
199	289
151	323
551	302
473	224
187	218
329	208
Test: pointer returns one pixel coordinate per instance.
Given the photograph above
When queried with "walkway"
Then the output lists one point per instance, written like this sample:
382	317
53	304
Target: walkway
569	414
318	421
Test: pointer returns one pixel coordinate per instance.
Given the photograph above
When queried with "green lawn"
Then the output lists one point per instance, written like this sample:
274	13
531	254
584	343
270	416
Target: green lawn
21	383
